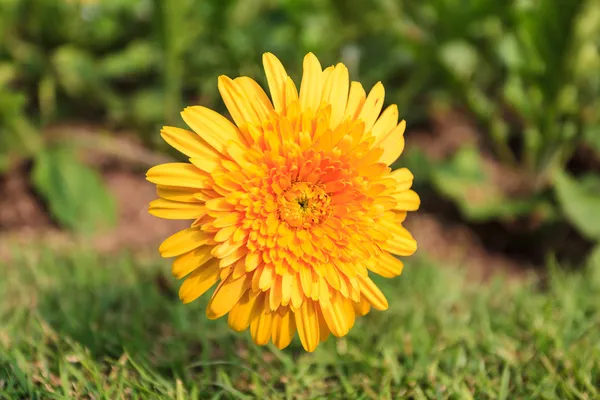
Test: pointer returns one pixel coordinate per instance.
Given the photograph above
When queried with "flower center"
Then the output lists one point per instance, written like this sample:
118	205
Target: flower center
303	205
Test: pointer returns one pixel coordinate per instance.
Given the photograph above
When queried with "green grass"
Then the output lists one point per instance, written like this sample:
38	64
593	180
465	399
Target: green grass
86	326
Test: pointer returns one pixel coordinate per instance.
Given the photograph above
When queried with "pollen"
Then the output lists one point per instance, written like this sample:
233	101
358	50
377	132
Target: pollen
303	205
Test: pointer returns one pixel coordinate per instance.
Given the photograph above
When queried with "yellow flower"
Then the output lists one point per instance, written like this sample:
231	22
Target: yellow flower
292	205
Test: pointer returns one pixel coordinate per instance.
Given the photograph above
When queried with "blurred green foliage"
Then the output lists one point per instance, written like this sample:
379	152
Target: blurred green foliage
526	70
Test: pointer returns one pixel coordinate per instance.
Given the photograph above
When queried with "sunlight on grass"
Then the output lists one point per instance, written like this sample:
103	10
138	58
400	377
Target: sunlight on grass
112	327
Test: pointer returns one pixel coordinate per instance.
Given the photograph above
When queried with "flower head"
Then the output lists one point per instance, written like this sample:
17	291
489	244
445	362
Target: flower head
293	204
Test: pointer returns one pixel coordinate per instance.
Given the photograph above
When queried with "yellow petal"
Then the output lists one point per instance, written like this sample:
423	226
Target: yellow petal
253	260
283	328
296	295
291	93
311	85
276	78
307	322
212	127
244	311
267	277
256	96
393	144
386	265
183	241
199	282
372	294
385	124
192	146
306	281
287	281
373	105
356	99
323	328
178	174
219	204
182	194
225	234
227	220
337	314
226	248
407	201
335	93
239	106
261	327
205	164
227	294
188	262
275	294
362	307
176	210
230	259
400	241
404	179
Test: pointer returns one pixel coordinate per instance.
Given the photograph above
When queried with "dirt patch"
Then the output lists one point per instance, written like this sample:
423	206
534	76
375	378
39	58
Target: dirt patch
136	230
511	244
458	246
19	207
122	161
451	130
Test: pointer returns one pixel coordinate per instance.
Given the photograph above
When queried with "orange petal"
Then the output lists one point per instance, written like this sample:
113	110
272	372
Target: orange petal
386	265
386	123
167	209
212	127
372	293
227	294
178	174
372	106
307	322
392	144
188	262
312	83
199	282
261	325
245	311
183	241
283	328
192	146
276	78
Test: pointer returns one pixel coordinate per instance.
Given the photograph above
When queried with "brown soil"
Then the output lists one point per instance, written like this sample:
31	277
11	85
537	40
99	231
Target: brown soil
449	131
136	230
457	246
24	219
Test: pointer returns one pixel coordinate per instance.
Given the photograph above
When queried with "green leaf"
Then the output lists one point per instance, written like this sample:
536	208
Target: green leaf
509	52
580	201
76	71
418	163
464	180
147	106
460	58
75	193
592	138
137	58
594	257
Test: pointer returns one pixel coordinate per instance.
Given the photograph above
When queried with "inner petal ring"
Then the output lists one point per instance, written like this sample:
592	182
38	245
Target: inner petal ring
303	205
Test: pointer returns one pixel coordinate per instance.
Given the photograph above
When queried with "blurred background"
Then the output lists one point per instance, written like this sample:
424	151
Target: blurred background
501	102
501	99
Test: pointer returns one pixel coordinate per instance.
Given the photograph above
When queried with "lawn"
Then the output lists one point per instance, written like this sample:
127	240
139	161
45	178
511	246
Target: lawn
84	325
